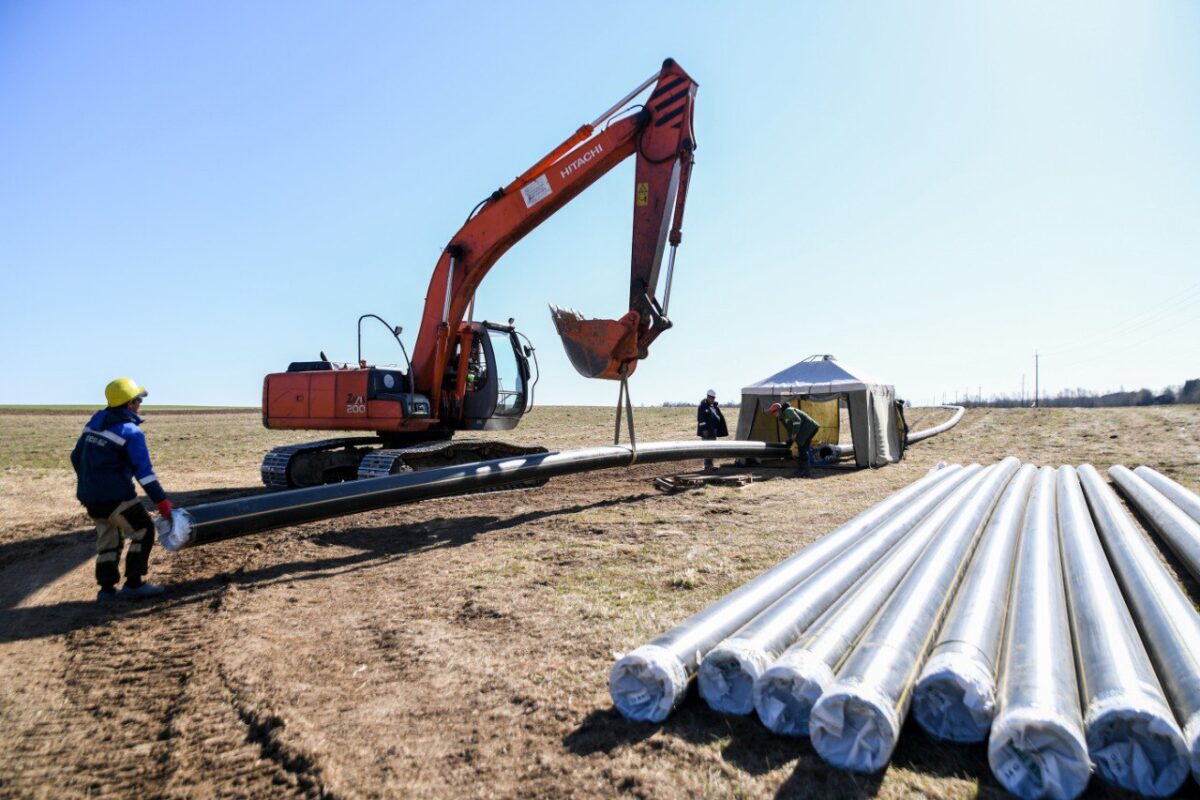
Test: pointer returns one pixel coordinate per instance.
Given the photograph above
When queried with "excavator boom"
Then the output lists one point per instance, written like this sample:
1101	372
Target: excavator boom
660	135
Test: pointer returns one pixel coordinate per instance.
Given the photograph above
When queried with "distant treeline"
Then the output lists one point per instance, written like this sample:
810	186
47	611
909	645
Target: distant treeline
1189	392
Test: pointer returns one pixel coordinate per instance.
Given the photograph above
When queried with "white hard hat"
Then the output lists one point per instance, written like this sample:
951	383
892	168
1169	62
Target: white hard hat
712	393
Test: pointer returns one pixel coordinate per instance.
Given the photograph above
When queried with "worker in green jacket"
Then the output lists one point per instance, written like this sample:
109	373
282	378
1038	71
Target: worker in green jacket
800	429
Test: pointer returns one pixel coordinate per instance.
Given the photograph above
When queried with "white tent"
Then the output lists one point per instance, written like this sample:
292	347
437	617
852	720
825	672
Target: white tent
820	386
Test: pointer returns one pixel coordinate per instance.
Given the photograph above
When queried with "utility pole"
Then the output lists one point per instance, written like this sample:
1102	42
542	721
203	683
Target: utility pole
1022	390
1037	375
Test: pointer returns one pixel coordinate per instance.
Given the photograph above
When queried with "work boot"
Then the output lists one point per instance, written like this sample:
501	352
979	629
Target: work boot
106	594
141	590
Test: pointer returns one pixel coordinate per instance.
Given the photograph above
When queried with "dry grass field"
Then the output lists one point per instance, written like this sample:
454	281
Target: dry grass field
453	648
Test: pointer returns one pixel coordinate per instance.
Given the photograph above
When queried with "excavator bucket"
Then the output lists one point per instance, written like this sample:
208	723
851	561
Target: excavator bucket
598	348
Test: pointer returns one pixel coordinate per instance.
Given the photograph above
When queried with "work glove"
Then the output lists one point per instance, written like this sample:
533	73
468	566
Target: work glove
164	508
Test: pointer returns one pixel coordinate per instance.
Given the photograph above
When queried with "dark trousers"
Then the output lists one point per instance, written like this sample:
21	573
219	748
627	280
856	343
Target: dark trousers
804	438
708	462
115	523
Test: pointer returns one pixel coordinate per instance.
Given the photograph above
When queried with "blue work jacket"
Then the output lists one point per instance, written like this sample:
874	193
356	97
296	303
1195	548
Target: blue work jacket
110	454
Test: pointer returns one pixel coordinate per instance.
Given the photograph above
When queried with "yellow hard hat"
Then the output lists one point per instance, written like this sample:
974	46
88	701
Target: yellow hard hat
121	391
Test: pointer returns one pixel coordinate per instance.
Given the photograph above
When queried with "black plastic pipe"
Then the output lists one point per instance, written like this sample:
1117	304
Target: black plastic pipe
225	519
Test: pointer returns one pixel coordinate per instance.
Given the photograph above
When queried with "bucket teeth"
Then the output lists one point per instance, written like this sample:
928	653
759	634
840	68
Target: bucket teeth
598	348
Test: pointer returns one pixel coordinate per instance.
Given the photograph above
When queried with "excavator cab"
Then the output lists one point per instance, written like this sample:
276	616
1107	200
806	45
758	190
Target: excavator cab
497	379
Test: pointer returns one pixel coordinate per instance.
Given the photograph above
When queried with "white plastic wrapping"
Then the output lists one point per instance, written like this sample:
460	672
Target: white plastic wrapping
728	673
785	694
1135	744
855	728
1166	618
1130	731
175	533
647	683
669	661
1037	754
1191	735
955	698
729	670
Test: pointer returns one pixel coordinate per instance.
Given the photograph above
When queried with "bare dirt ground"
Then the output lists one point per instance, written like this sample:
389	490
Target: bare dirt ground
455	648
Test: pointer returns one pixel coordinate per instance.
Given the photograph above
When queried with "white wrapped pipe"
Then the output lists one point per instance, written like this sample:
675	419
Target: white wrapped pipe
1180	531
1131	734
785	694
1166	618
728	671
648	683
955	697
1037	748
1177	493
856	724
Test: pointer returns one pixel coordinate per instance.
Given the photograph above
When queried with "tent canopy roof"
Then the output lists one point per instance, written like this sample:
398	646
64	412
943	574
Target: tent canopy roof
819	374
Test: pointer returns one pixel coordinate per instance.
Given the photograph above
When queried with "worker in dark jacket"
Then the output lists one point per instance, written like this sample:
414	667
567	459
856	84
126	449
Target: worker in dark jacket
110	454
800	429
710	422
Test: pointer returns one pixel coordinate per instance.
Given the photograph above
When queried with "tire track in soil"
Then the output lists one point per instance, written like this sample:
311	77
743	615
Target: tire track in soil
134	704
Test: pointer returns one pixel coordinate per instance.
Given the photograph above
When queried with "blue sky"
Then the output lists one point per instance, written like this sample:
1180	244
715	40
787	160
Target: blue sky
197	194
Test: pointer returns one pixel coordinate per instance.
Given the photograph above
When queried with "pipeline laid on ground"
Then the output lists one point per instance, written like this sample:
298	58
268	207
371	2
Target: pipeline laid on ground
1131	733
1180	531
856	724
786	692
729	670
224	519
648	683
1166	619
955	697
921	435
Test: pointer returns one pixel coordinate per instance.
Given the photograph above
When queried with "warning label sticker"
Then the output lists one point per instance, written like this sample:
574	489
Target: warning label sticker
536	191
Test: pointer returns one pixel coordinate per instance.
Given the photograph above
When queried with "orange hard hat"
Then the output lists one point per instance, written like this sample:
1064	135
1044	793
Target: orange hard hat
774	407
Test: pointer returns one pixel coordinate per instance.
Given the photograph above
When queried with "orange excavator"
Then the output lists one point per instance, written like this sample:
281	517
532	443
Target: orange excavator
476	375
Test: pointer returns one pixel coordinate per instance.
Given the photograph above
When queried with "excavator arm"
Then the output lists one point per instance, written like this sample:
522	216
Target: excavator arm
660	135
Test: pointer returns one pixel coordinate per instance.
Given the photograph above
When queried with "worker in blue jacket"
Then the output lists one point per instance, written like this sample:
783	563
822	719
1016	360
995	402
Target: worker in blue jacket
110	454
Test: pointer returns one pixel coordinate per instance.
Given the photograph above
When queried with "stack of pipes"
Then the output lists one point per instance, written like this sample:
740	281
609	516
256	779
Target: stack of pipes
959	596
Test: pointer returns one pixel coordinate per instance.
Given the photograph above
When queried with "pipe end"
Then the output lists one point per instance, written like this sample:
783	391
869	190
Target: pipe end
785	694
647	684
854	728
955	699
1036	754
176	533
727	676
1138	748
